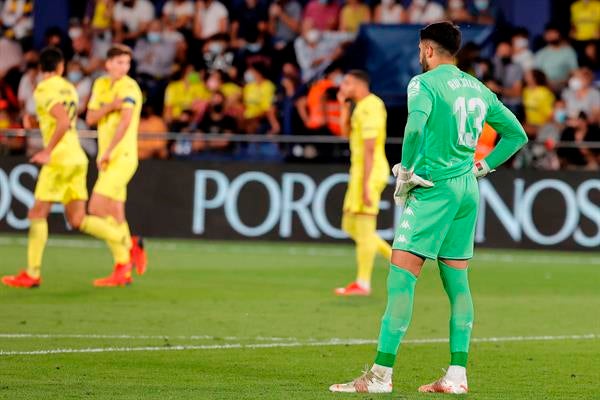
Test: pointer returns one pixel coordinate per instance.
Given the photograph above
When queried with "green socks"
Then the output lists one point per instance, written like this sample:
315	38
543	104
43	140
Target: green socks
401	292
456	284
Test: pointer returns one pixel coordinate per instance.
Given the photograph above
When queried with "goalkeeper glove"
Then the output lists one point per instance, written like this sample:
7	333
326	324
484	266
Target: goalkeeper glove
481	169
406	180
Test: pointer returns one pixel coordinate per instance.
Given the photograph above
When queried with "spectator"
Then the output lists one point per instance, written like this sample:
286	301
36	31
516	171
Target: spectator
82	51
99	15
522	55
249	23
155	147
353	15
543	150
290	87
212	18
581	97
177	15
315	50
557	59
83	84
218	55
259	97
590	58
458	12
184	147
217	81
17	18
424	12
186	91
538	101
315	107
217	121
322	15
508	78
284	22
131	19
27	85
389	12
585	22
11	55
484	12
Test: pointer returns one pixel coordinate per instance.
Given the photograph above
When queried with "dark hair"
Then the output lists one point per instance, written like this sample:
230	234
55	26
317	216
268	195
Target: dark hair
117	50
360	75
261	68
445	34
539	77
50	59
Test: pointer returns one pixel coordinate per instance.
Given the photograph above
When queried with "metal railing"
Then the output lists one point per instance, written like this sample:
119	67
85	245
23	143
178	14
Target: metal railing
248	138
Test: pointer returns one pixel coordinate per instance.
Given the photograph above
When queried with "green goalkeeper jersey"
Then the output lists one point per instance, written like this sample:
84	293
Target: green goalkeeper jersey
447	109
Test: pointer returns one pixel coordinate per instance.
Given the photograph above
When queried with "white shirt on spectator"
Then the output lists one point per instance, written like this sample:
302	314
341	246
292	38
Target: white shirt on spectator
575	105
210	18
325	46
25	92
11	55
132	18
13	16
174	10
433	12
524	59
155	59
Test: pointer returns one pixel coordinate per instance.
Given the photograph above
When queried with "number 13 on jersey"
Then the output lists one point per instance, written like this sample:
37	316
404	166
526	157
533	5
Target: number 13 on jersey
471	115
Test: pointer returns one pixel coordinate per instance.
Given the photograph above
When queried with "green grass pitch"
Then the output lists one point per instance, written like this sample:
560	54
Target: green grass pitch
251	320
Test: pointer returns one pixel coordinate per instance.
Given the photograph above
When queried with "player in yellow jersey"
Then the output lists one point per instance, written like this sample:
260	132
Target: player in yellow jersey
363	120
62	178
115	106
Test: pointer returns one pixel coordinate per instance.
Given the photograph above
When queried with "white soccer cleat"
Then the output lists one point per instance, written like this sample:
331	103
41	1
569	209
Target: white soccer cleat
368	382
444	385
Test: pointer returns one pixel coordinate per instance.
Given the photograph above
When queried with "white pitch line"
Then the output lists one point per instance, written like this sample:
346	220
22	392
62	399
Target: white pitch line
331	342
137	337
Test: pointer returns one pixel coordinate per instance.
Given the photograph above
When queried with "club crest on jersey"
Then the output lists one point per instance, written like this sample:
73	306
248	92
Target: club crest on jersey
414	86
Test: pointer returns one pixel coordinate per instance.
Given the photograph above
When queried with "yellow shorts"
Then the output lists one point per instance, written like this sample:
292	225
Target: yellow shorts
112	182
62	183
353	200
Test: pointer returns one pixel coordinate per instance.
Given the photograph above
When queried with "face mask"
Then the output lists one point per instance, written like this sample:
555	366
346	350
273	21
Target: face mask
128	3
153	37
554	42
75	33
505	60
575	84
312	36
387	2
481	4
74	76
212	84
218	108
249	77
193	77
215	47
337	81
521	43
560	116
253	47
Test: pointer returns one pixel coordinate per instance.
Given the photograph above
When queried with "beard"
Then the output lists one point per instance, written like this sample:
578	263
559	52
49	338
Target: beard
424	64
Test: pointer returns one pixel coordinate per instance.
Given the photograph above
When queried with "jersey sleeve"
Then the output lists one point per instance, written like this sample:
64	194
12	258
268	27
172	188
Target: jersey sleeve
47	97
419	96
130	94
372	120
513	137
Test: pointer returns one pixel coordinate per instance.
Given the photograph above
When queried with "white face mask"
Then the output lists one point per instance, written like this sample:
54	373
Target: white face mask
521	43
575	84
312	36
387	2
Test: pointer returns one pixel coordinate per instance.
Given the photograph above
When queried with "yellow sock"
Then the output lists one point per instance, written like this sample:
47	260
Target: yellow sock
119	248
101	228
38	235
366	247
383	248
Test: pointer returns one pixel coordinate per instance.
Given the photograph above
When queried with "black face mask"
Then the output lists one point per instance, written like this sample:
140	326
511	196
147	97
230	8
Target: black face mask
505	60
218	108
554	42
128	3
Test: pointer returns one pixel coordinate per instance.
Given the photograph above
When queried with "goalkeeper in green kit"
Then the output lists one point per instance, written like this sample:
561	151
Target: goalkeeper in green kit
436	182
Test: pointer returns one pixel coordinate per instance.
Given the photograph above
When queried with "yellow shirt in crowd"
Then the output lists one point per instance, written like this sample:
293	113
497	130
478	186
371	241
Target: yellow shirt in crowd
585	18
180	96
539	104
258	98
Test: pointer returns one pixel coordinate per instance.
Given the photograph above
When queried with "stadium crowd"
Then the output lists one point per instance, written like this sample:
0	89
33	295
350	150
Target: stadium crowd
273	67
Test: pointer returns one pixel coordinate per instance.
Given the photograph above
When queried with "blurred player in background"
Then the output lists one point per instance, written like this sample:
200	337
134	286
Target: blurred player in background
436	183
363	120
62	178
115	106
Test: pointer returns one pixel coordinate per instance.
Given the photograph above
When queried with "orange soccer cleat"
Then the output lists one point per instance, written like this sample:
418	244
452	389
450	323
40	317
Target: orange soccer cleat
21	280
353	289
121	276
444	385
138	254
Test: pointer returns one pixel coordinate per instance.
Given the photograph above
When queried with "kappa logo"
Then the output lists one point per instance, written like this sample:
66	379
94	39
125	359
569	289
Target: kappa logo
402	239
414	87
409	211
405	225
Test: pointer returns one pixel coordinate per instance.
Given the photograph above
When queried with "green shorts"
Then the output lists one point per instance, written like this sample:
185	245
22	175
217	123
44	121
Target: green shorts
439	222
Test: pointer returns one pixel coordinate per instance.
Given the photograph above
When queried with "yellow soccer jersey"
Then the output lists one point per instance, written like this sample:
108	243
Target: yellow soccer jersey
258	98
368	121
181	97
585	18
47	94
105	91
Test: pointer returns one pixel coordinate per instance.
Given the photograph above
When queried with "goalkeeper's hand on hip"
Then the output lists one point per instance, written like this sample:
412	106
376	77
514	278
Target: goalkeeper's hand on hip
406	180
481	169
